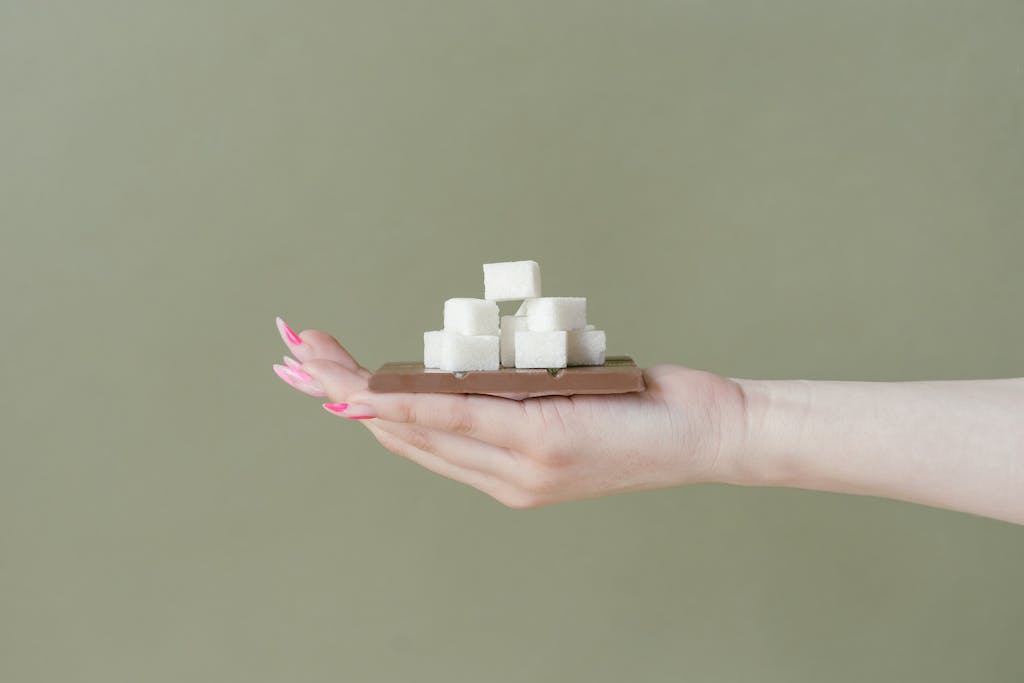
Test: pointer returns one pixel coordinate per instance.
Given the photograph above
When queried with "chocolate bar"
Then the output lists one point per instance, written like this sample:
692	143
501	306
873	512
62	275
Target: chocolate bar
618	375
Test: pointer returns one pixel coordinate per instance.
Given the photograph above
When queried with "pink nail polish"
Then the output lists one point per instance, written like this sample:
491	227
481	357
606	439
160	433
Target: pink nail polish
284	374
287	333
336	408
359	412
292	363
298	381
301	375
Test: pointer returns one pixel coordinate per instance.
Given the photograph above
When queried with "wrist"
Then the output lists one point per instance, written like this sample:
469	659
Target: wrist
764	449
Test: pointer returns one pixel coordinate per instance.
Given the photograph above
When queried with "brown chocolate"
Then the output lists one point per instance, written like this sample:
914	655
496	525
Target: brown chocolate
618	375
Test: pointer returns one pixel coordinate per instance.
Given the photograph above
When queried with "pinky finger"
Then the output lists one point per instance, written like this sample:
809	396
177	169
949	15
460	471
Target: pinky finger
435	464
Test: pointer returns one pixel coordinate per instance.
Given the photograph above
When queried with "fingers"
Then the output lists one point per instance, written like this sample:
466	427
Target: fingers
486	419
337	381
461	438
517	484
471	439
297	378
450	438
431	461
456	457
461	451
493	420
314	344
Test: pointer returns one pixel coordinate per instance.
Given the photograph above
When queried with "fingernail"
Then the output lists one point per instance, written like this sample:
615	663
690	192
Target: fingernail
297	379
301	374
355	411
350	411
292	363
287	333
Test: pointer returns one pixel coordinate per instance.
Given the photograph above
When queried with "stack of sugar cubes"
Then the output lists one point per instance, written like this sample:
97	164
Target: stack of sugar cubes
546	332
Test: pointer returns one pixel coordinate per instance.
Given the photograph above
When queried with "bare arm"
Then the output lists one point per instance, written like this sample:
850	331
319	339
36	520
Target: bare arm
957	444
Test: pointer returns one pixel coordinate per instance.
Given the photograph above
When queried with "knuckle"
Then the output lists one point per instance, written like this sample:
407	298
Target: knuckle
318	341
461	421
405	412
419	438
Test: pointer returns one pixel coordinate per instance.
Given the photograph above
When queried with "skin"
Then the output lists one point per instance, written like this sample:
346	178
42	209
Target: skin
956	445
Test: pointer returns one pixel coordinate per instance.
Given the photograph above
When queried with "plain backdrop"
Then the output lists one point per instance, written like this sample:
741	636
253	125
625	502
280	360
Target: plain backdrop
783	189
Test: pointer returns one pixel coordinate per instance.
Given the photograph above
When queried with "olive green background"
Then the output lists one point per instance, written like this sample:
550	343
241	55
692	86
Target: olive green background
787	189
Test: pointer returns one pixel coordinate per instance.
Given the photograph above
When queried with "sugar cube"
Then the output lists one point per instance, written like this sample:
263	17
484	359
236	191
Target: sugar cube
549	313
471	316
586	347
432	348
510	324
524	307
466	352
541	349
511	280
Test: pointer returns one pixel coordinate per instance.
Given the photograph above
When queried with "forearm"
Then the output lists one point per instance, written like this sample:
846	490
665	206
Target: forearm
957	444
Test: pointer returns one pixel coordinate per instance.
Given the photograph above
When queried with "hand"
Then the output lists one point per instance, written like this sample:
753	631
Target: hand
685	428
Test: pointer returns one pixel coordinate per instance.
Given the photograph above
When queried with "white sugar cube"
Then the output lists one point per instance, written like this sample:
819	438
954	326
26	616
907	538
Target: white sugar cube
549	313
510	324
465	352
524	307
586	346
541	349
511	281
432	348
471	316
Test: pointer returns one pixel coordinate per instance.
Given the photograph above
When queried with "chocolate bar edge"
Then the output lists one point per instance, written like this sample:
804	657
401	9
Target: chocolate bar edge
619	375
